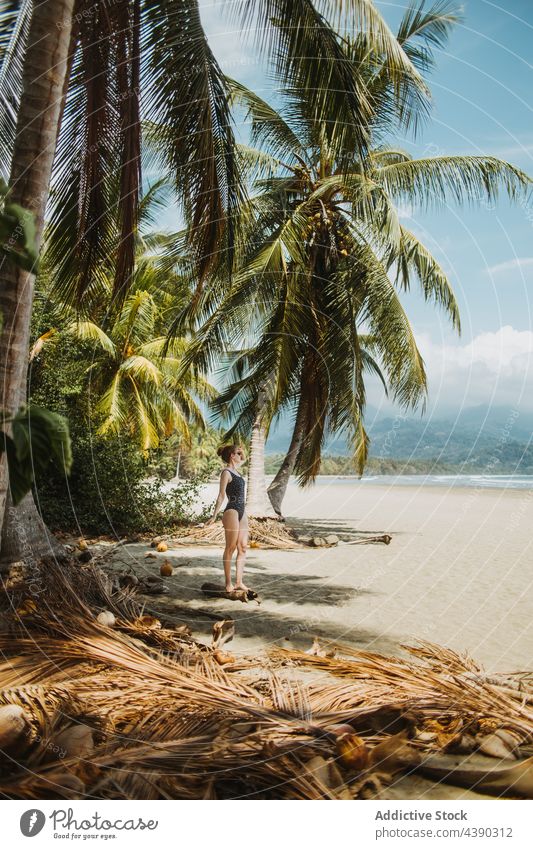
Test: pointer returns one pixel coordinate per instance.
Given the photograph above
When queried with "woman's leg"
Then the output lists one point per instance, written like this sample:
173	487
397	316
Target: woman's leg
230	520
242	545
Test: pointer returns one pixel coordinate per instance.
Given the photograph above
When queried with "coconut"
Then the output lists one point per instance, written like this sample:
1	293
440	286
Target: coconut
76	741
28	606
148	622
166	569
106	618
222	658
352	752
82	544
162	546
13	723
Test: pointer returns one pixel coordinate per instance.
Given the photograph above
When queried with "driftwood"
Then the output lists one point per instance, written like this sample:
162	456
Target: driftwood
223	632
216	591
478	773
384	538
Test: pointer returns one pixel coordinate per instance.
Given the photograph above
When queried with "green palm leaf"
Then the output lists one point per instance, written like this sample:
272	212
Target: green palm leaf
463	178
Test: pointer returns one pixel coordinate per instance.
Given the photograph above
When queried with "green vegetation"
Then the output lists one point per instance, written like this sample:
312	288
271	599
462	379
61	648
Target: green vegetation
284	284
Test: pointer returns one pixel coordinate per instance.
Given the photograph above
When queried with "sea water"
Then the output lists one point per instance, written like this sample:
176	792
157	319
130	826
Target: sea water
471	481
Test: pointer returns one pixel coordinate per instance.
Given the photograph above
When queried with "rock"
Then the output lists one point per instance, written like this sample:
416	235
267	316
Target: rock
106	618
166	569
76	741
82	544
318	542
128	580
14	722
331	539
151	554
84	556
152	585
155	542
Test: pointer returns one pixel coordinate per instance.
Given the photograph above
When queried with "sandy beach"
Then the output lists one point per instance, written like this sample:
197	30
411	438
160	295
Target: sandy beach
458	572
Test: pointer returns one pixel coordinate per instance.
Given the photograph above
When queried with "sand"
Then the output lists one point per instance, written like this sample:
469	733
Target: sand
458	572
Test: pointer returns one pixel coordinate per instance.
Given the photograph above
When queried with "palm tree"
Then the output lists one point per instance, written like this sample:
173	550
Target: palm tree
133	374
323	255
133	370
103	74
35	126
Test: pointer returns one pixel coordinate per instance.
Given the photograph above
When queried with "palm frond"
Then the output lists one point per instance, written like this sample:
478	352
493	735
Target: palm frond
414	256
461	178
422	30
269	131
390	327
15	18
114	406
187	102
91	332
142	369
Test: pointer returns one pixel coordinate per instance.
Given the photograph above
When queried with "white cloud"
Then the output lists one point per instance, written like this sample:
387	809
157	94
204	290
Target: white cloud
494	368
516	264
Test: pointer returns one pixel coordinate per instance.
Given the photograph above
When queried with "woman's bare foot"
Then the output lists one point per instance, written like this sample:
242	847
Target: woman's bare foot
229	588
241	587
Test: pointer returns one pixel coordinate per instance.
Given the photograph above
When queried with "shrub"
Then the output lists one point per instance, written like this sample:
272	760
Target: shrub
106	492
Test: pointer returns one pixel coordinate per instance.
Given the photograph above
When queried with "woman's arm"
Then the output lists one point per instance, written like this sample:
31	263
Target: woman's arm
224	478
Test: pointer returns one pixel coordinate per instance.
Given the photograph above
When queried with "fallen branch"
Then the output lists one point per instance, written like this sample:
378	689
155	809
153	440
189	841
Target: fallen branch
215	591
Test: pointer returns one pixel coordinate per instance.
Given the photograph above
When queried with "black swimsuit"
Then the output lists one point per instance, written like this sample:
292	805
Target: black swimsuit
235	494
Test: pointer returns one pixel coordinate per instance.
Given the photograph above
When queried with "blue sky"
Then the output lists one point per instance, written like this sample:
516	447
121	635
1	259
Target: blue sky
482	105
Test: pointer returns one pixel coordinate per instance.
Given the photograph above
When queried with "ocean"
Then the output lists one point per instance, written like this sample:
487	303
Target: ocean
462	481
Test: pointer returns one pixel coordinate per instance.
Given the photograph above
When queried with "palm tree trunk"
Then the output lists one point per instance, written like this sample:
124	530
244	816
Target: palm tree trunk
277	489
256	498
45	65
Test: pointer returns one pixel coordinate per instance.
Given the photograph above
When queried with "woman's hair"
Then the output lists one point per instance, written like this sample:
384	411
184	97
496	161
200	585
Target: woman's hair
225	451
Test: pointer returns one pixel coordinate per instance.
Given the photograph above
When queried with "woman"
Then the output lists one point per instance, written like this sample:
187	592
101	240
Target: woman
234	518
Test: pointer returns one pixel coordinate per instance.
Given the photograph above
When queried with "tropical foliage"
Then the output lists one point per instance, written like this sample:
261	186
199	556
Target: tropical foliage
17	232
323	255
292	257
37	439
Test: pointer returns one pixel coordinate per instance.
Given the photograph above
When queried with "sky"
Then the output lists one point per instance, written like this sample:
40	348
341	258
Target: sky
481	87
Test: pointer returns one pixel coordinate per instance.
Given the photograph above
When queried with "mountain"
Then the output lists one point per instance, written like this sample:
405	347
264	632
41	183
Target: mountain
493	440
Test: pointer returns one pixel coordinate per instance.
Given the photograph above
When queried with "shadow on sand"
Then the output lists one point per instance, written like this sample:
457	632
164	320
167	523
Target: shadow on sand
294	607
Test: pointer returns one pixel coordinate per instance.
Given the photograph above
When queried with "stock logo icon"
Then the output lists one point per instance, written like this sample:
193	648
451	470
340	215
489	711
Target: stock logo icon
32	822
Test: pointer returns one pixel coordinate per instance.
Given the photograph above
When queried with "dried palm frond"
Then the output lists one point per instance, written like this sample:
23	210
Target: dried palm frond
444	684
138	711
263	532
